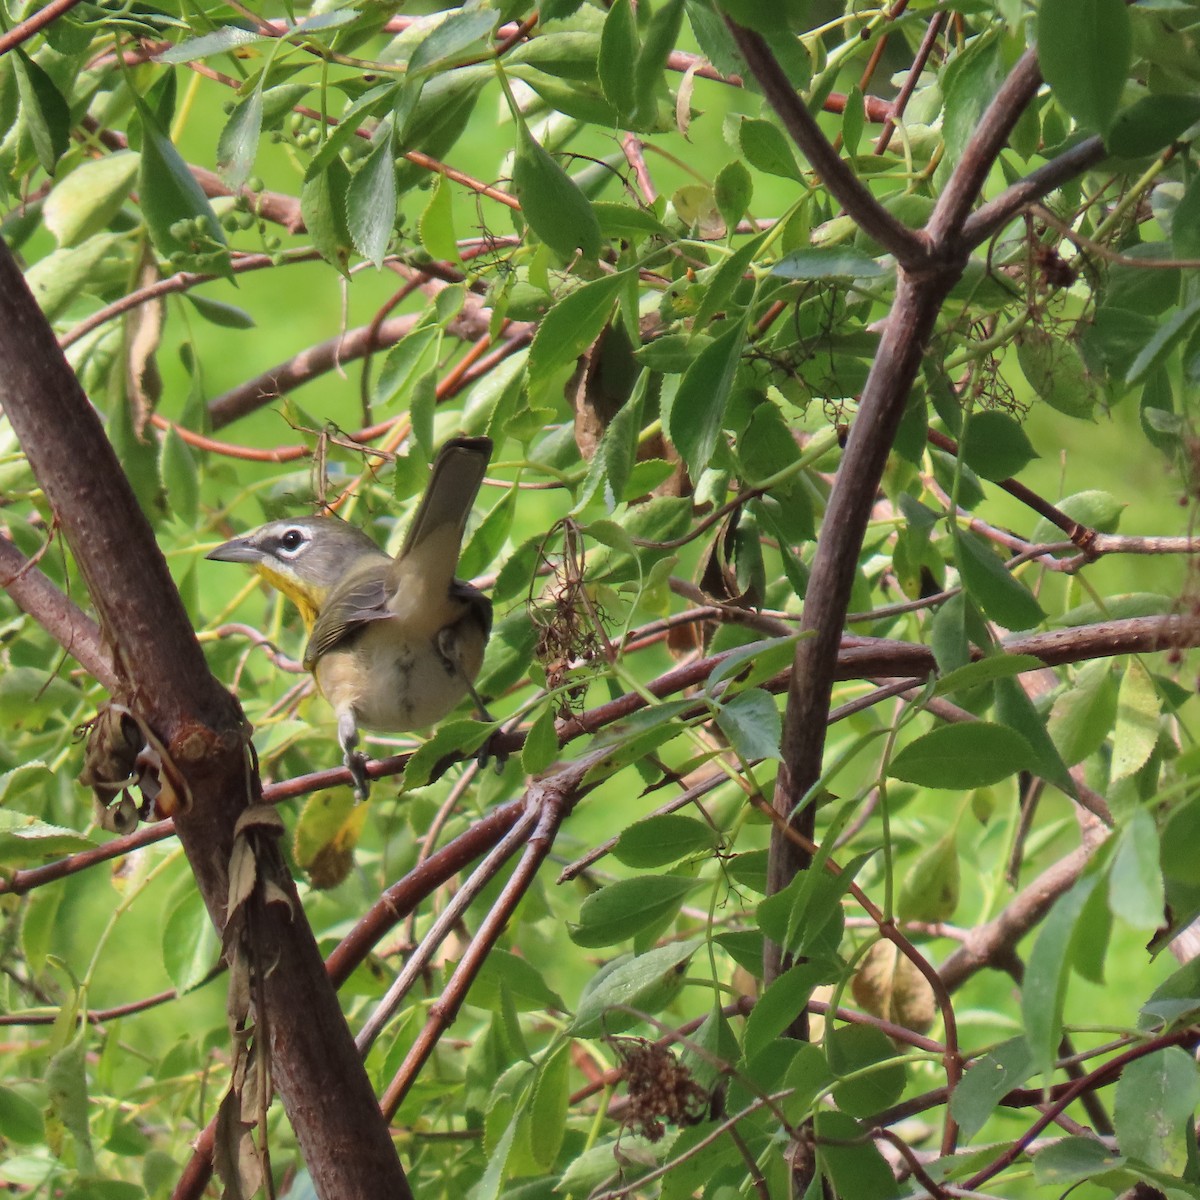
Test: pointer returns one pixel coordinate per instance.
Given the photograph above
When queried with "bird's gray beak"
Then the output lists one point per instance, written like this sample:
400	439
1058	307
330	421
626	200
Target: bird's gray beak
239	550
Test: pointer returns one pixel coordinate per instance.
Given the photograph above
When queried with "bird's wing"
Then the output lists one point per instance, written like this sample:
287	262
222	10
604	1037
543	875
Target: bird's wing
361	597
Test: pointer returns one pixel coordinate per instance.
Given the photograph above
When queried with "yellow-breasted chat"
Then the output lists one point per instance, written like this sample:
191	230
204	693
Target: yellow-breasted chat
393	643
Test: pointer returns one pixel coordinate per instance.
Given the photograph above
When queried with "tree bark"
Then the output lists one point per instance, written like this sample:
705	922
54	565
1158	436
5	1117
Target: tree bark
162	675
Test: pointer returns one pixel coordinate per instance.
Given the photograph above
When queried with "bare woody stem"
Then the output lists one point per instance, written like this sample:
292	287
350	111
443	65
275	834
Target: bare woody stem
159	667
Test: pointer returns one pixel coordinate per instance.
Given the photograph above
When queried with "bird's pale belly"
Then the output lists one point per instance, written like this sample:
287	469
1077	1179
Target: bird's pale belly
393	683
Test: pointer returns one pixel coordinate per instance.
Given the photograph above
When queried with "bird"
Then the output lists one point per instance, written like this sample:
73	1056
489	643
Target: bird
393	643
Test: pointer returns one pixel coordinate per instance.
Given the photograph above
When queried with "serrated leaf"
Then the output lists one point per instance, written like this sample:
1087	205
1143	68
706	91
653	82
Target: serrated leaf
371	201
751	722
663	839
624	908
220	41
986	1081
169	196
1157	1096
659	40
47	116
323	207
461	30
437	223
1003	598
541	743
1138	710
1135	885
650	979
1083	716
973	754
570	327
783	1001
767	149
833	262
238	143
1044	989
618	58
557	211
1057	373
697	410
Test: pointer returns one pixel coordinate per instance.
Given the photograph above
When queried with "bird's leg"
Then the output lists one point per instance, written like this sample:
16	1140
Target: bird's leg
354	759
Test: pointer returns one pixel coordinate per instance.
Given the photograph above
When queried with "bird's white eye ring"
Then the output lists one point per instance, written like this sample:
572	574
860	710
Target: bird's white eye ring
292	540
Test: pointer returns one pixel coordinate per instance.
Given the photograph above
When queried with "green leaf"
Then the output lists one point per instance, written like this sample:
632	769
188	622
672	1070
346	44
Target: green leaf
1057	373
996	446
220	41
986	670
625	908
1044	990
437	223
733	190
1135	885
618	58
371	200
460	31
752	723
854	1048
180	476
697	410
217	312
986	1081
828	262
1185	223
851	1158
238	143
323	207
47	116
84	201
1073	1159
1138	709
20	1119
1003	598
557	211
548	1112
190	946
1151	124
1166	337
661	35
1085	49
663	839
459	738
783	1001
931	887
26	840
645	983
1097	510
766	148
541	743
181	223
1157	1096
569	328
973	754
1082	717
1015	709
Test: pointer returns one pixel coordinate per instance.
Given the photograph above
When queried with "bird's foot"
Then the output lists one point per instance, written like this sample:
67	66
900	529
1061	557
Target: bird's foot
356	764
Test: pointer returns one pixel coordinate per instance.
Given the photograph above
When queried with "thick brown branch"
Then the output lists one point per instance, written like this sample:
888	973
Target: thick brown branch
967	180
908	247
161	671
995	214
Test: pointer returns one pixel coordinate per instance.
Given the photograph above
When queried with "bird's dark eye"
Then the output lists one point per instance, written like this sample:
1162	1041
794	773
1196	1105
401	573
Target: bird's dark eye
292	540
